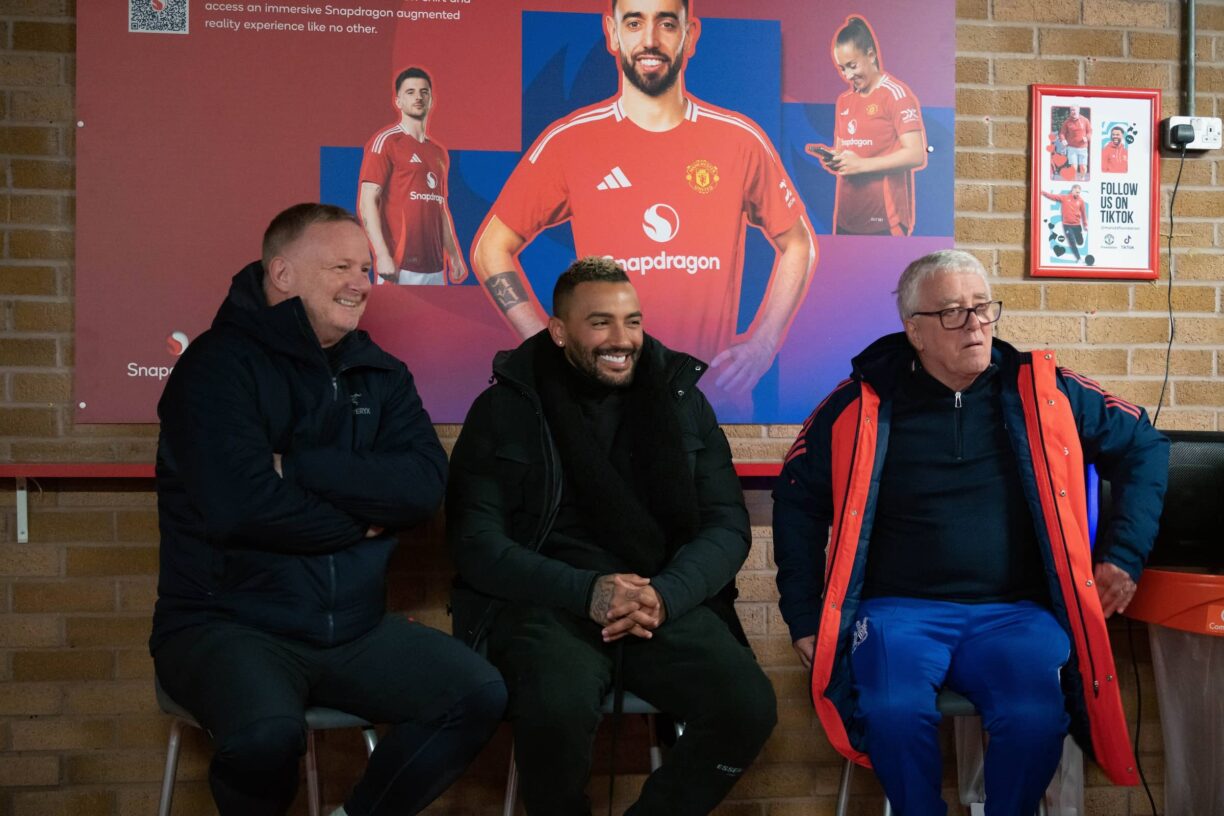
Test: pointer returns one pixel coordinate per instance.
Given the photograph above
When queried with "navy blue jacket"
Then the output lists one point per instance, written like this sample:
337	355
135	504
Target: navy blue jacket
287	555
1057	422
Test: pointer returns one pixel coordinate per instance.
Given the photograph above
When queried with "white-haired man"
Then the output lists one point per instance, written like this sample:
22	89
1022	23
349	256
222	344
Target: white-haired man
950	468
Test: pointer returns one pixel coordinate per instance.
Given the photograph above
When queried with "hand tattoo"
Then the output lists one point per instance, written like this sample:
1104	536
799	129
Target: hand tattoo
601	598
507	290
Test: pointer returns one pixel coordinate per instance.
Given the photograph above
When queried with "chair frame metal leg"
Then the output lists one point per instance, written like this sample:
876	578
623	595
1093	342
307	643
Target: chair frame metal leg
656	761
843	792
312	775
511	786
171	771
370	737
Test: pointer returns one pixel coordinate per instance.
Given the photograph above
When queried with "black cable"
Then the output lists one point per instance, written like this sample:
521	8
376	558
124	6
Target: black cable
1155	419
1138	716
1172	322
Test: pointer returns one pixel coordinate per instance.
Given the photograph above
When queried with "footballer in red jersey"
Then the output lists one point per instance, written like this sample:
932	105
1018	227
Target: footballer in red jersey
1074	212
880	140
1075	131
402	194
1115	158
662	183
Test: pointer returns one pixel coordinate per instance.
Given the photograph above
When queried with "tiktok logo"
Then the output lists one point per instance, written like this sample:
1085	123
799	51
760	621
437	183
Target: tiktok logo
660	223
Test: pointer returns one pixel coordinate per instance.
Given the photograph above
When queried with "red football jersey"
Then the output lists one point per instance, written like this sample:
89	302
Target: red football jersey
1073	210
1075	132
668	206
1114	158
412	174
871	125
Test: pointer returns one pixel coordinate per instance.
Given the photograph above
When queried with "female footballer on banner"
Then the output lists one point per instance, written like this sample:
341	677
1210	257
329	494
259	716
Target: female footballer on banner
879	140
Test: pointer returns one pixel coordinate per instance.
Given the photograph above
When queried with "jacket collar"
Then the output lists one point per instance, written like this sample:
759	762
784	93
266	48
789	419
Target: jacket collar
517	365
882	363
285	329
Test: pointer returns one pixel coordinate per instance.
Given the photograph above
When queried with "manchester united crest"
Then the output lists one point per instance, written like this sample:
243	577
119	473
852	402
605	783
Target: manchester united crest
702	176
873	109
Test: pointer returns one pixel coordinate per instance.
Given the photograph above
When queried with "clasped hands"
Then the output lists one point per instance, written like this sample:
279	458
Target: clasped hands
626	604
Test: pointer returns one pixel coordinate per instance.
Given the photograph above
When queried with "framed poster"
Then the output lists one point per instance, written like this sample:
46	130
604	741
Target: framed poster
1095	173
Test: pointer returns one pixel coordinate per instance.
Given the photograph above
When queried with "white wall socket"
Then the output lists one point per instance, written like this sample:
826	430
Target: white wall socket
1207	134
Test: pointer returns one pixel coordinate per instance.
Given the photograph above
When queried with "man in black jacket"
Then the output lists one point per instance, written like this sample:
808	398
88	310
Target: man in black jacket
291	449
597	523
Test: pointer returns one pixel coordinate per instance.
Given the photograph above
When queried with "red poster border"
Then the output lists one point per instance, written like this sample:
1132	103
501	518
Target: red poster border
1037	137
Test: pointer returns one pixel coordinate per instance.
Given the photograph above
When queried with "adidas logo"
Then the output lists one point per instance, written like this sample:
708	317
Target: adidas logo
416	159
614	180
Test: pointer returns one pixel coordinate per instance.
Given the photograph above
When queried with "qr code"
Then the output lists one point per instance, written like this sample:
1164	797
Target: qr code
157	16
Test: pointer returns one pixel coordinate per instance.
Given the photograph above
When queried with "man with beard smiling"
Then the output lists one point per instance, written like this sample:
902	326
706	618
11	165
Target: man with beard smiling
1114	155
597	524
660	182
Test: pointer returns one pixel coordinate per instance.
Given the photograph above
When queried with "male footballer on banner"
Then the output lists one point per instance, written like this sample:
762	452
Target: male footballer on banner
402	197
660	182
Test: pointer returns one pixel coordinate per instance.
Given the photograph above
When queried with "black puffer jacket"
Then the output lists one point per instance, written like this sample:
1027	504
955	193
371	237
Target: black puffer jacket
506	484
287	555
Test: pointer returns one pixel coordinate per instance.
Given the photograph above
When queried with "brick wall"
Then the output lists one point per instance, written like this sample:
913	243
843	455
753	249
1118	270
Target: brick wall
79	733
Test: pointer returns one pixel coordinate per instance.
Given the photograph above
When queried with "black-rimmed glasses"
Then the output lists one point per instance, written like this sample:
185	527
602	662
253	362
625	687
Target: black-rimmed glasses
958	316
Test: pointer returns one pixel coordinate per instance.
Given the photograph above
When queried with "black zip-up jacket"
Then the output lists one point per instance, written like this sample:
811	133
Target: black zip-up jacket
506	484
287	555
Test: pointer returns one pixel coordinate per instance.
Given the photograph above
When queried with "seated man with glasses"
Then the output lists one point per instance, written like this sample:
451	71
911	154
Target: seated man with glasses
950	469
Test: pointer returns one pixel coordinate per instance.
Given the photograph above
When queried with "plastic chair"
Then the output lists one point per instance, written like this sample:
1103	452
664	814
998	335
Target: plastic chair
318	718
632	705
949	704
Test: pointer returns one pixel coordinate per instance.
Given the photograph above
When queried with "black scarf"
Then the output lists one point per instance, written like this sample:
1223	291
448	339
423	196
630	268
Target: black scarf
644	516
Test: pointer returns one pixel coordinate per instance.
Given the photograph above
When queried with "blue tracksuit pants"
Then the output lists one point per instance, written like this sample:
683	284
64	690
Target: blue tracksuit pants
1005	657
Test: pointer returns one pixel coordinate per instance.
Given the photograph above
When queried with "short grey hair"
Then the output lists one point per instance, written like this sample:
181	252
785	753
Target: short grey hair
927	267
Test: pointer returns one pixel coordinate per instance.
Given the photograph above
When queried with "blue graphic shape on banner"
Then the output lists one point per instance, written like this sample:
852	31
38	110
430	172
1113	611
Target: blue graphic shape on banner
339	170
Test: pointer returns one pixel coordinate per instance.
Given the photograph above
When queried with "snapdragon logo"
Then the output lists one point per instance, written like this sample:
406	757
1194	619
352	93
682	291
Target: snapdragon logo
177	343
434	197
664	261
856	142
661	223
148	372
431	180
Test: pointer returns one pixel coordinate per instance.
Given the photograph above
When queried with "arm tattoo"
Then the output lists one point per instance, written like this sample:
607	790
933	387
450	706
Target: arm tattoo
507	290
601	598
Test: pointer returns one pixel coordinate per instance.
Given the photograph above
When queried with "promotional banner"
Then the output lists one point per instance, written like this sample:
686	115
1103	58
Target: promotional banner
1096	175
763	172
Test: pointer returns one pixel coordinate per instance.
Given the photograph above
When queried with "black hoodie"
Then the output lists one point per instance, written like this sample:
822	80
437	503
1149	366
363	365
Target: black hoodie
288	555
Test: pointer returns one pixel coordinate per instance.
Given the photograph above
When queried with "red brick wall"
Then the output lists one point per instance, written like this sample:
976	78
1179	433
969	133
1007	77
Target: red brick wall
79	732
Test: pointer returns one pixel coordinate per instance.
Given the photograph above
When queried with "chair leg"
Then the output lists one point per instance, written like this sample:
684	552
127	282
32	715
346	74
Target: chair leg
312	775
511	786
171	771
888	811
843	792
370	737
656	750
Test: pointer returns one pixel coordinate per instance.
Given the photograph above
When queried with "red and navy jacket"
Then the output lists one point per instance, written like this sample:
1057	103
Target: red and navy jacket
1058	422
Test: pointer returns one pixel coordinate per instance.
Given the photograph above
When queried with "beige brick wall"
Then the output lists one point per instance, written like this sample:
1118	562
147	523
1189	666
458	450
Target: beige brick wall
79	733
